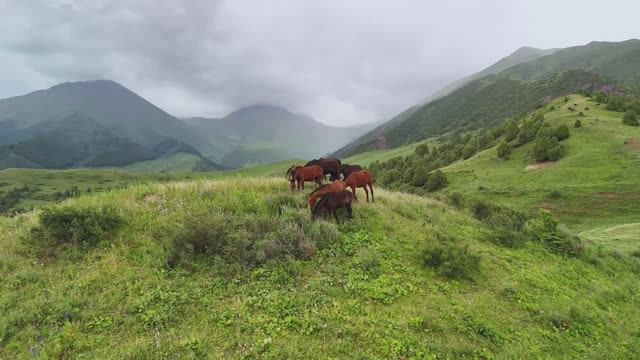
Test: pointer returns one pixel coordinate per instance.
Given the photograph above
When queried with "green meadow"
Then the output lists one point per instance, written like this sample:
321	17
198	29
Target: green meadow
594	189
235	269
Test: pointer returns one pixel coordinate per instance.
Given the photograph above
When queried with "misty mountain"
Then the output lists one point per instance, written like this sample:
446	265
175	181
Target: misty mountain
265	133
616	60
522	55
92	123
481	103
518	88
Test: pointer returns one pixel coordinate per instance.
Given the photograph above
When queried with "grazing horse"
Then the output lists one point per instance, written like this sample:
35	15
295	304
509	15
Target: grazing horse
348	169
332	201
337	185
331	166
292	170
306	173
360	179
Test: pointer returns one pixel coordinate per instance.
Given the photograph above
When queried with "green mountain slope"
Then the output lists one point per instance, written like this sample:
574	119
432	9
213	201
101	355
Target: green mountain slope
522	55
157	273
263	134
615	60
594	187
95	123
483	102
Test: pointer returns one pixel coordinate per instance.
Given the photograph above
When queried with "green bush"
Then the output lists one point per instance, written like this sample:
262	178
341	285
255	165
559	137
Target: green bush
422	150
246	241
562	132
451	260
547	146
61	225
390	176
508	224
545	229
456	199
577	124
511	130
408	175
630	118
420	176
504	150
436	181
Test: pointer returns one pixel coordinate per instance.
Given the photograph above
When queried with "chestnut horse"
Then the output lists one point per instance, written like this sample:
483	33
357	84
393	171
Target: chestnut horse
360	179
292	170
332	201
337	185
306	173
331	166
348	169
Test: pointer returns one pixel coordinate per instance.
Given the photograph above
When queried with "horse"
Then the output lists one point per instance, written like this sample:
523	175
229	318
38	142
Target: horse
331	166
348	169
332	201
337	185
306	173
360	179
292	170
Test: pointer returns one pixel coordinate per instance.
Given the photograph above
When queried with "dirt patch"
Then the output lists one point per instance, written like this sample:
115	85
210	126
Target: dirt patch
546	206
539	165
608	195
633	144
381	142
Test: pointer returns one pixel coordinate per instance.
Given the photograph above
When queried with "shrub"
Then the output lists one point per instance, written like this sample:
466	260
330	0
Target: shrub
436	181
545	229
456	199
562	132
508	224
577	124
554	194
510	130
504	150
451	260
546	146
422	150
408	175
469	150
61	225
420	176
390	176
630	118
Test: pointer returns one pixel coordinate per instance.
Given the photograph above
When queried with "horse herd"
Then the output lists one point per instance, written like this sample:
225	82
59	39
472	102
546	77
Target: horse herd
333	195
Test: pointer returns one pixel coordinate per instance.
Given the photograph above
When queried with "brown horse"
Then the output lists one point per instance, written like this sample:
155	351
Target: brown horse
331	166
337	185
306	173
292	170
348	169
332	201
360	179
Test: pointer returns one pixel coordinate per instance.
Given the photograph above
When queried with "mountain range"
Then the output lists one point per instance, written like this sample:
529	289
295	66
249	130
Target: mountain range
516	84
103	124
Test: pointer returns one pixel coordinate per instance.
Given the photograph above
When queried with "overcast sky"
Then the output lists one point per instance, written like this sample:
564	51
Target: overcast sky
342	62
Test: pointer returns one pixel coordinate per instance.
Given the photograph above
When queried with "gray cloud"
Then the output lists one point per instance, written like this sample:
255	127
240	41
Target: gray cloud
342	62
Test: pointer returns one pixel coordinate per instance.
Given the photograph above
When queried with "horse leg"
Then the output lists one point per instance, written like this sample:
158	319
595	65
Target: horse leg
349	211
371	187
353	190
366	191
335	215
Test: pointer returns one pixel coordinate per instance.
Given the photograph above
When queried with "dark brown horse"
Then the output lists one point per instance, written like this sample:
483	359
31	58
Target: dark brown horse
337	185
348	169
331	166
306	173
361	179
332	201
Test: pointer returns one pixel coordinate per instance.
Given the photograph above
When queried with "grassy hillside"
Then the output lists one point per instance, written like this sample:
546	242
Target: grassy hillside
235	269
520	56
481	103
616	60
594	188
